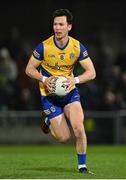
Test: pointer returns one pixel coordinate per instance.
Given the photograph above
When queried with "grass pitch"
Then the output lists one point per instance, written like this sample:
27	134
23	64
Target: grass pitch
60	162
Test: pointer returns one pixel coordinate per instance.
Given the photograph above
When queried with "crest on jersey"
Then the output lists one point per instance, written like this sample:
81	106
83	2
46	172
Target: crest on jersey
72	55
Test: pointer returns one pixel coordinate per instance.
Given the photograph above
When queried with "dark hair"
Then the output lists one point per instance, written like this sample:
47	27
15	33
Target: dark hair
63	12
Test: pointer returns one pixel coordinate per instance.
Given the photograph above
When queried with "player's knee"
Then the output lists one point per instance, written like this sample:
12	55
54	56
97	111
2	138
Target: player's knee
64	139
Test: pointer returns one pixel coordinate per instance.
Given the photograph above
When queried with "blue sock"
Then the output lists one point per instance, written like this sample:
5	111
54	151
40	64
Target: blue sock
81	160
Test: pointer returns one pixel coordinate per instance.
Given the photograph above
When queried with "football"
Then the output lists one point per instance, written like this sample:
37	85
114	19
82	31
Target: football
60	88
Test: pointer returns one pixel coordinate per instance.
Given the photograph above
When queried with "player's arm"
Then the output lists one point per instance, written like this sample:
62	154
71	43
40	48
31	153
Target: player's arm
87	65
31	69
89	74
89	71
33	63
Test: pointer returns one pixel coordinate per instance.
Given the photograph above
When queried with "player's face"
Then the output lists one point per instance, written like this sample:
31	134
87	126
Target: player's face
61	27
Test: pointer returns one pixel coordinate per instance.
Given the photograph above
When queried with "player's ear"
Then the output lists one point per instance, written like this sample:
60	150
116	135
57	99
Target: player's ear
69	27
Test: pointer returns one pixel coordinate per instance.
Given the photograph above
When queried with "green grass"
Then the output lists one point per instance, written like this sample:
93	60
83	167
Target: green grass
60	162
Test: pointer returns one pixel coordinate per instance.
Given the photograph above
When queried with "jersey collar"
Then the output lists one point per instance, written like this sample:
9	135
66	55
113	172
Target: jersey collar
58	46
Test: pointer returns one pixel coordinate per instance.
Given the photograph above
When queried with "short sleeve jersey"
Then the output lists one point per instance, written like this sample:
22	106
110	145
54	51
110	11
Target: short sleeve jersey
57	61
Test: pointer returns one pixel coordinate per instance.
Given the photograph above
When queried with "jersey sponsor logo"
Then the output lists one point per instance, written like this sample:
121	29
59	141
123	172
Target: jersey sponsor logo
36	54
56	66
72	55
61	67
85	53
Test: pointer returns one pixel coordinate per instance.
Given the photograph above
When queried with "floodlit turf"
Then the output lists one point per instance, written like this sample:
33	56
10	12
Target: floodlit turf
59	162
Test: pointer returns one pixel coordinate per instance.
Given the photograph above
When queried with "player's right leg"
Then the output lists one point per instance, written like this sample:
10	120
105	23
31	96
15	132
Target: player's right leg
55	120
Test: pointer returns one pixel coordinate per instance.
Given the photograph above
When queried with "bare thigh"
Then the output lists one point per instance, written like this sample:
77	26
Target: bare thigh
74	113
60	128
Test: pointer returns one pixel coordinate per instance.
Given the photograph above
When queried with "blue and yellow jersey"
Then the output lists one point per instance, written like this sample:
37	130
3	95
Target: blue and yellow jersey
57	61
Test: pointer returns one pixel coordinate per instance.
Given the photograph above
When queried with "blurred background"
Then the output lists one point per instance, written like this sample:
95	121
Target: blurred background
101	27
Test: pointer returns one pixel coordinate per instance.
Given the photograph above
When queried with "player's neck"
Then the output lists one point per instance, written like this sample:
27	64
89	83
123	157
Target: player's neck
62	42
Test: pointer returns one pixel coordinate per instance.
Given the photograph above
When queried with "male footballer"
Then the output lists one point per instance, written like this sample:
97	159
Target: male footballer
57	56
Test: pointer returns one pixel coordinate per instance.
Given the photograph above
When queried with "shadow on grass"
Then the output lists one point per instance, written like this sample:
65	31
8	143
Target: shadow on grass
51	169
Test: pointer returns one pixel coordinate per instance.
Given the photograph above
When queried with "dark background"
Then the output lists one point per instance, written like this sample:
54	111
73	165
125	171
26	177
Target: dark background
33	17
100	26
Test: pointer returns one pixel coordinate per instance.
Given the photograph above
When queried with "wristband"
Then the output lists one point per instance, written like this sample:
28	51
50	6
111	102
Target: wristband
43	78
77	80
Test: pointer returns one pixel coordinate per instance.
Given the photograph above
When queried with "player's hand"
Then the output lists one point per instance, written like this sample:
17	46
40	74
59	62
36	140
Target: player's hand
70	82
49	83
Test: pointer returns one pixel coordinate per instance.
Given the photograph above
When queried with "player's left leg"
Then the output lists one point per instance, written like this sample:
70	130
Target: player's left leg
75	114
